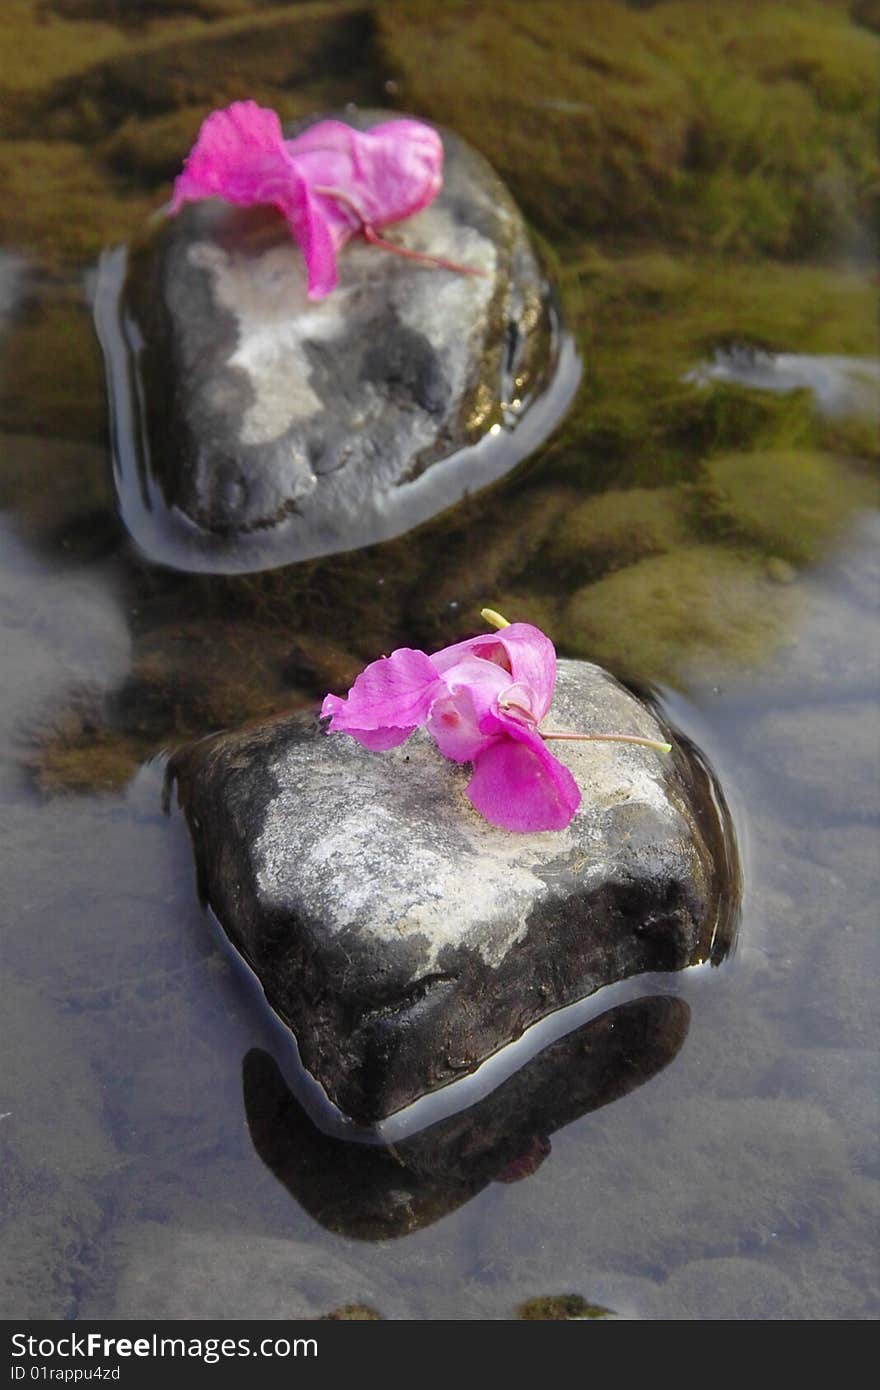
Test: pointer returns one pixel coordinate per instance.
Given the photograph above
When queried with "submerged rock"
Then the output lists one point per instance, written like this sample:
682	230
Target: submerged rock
275	428
402	937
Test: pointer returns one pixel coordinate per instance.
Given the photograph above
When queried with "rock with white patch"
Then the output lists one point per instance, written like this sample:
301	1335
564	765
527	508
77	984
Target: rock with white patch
273	428
402	937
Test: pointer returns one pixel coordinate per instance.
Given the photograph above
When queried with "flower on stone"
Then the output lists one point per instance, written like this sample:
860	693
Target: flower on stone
482	702
331	182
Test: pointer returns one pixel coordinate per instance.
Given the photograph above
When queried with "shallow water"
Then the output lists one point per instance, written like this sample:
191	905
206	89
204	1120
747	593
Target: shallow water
714	538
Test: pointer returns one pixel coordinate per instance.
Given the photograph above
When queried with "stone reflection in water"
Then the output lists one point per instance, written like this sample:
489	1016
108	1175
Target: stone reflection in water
373	1193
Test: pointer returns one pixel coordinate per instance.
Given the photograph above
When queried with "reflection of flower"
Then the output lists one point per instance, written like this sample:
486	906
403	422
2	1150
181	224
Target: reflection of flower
331	182
482	702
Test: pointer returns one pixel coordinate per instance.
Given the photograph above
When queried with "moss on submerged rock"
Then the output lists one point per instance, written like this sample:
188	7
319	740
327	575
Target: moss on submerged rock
566	1307
51	376
791	504
702	606
256	55
616	528
644	322
481	555
97	113
740	125
59	204
352	1312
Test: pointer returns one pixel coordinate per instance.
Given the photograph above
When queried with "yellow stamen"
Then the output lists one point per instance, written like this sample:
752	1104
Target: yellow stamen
494	619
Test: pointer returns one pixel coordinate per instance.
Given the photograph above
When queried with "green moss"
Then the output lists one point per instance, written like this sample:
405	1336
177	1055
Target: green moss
190	677
139	12
791	504
260	55
615	528
60	205
38	47
643	322
47	480
667	617
352	1312
560	1308
151	149
60	493
485	546
730	123
51	375
866	12
103	763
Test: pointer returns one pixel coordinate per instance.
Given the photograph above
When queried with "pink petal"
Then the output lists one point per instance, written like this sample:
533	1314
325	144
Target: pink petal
483	679
382	175
519	786
454	727
329	182
526	651
239	156
317	237
394	693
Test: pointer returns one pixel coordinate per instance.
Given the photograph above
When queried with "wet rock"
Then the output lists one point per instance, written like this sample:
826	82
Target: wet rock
402	937
279	428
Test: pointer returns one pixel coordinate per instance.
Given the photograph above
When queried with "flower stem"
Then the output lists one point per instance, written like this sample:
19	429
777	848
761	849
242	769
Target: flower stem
611	738
436	262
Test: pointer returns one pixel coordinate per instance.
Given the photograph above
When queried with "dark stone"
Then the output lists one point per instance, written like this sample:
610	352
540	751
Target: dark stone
402	937
254	427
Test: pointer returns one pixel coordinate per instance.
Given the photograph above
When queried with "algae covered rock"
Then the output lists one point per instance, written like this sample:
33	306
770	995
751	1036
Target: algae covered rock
615	528
277	428
653	328
402	937
790	503
726	123
663	617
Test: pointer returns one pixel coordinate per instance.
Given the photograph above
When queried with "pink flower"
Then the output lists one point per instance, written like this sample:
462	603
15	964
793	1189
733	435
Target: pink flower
482	702
331	182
